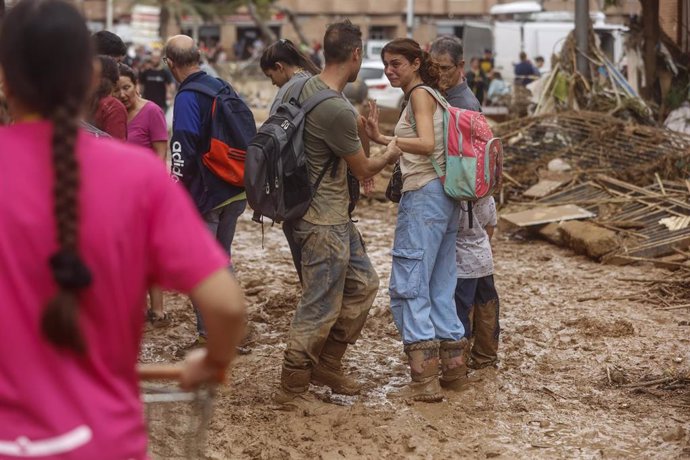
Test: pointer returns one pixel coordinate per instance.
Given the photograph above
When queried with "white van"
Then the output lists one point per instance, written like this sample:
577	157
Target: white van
373	48
543	34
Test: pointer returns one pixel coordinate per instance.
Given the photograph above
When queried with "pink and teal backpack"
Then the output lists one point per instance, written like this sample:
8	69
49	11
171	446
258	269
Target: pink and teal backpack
474	157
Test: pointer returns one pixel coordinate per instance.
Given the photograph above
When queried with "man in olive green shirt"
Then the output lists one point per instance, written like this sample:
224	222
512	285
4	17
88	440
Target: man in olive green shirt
339	283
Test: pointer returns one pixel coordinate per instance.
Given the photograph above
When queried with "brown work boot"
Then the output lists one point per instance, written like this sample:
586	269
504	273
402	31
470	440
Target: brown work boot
294	386
328	372
454	364
423	360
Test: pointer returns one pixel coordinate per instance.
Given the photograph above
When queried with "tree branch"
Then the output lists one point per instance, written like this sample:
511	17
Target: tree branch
266	31
295	24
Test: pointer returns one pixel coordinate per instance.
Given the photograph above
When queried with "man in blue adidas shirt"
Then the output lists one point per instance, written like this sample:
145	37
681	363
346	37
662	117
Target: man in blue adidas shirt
219	203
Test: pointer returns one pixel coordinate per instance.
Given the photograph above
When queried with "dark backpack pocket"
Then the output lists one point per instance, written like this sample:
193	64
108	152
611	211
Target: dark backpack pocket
296	187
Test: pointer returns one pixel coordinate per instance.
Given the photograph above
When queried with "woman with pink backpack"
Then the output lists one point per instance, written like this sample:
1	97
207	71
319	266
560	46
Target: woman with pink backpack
423	274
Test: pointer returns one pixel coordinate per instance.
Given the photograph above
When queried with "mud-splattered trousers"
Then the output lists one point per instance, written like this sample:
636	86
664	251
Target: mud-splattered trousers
424	272
339	285
478	307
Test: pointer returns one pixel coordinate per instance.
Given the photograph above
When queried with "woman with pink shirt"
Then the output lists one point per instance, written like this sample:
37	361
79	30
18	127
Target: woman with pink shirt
145	127
145	120
88	229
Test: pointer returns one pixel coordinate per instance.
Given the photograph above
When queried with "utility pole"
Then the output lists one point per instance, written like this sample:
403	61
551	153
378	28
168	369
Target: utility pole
410	17
582	35
109	15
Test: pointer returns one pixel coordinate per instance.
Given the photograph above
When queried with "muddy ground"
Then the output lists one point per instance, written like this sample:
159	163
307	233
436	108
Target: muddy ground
556	394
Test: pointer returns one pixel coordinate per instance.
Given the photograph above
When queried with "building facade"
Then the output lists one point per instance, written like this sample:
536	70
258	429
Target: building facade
379	20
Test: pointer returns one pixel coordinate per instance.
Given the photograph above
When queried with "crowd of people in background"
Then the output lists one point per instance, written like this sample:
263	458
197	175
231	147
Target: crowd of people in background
487	83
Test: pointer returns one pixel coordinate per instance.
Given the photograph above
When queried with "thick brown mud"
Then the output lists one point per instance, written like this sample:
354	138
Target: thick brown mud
573	332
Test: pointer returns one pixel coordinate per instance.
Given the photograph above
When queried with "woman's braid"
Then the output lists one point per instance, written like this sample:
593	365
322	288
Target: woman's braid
60	319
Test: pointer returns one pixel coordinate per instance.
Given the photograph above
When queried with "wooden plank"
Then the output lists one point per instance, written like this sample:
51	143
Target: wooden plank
642	191
544	187
658	249
625	260
545	215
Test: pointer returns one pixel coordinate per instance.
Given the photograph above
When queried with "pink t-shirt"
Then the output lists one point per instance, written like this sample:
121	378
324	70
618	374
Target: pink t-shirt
147	126
137	228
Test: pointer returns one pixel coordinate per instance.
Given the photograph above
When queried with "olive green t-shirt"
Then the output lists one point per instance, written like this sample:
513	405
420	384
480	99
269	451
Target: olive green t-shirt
330	129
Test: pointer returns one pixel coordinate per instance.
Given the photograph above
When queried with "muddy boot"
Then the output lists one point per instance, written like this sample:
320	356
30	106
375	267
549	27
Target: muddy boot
486	333
423	360
453	364
328	371
294	389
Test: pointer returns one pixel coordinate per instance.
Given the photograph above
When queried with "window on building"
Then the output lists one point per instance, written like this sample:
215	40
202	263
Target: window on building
209	35
382	32
249	42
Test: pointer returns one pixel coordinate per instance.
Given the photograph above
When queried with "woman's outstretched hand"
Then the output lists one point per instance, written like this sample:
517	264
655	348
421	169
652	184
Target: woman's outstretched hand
372	125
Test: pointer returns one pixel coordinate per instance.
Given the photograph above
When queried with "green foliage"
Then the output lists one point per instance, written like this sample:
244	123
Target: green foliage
678	93
211	9
608	3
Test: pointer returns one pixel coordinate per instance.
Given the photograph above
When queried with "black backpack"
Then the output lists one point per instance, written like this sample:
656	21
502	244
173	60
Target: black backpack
276	174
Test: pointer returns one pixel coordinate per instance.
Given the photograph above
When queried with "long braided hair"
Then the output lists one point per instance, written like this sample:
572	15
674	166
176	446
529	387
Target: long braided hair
47	63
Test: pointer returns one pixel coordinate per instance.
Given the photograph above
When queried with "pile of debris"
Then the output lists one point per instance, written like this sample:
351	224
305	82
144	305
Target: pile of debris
591	143
605	90
616	222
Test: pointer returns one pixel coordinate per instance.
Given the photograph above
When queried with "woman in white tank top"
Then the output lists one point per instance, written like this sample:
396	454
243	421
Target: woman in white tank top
423	274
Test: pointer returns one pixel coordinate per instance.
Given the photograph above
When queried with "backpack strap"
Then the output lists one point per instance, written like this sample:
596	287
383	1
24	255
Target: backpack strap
440	100
296	87
203	89
435	94
312	101
406	99
307	106
332	161
317	98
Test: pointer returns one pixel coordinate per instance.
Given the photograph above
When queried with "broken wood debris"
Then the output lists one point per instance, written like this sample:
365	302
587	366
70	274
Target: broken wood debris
629	224
545	214
680	378
543	188
591	142
622	206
